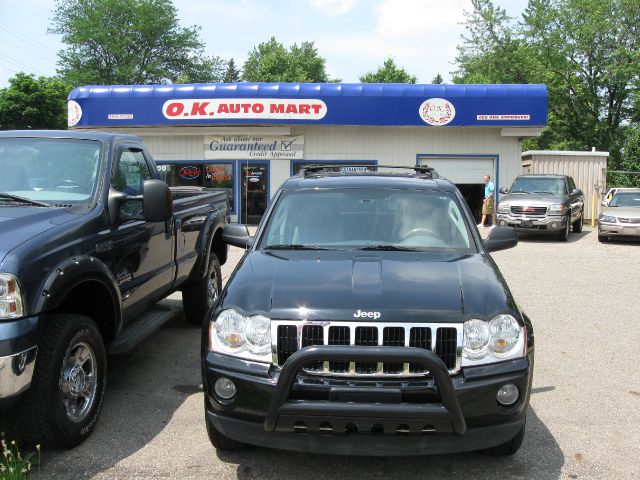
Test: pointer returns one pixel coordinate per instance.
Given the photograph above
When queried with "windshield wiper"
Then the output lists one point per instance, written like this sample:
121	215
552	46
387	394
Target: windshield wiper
391	248
293	246
18	198
524	193
550	193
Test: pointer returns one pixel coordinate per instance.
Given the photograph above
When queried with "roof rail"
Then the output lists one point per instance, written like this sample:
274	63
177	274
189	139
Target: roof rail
420	170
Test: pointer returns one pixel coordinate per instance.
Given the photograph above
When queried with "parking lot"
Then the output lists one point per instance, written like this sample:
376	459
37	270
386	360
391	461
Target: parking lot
582	297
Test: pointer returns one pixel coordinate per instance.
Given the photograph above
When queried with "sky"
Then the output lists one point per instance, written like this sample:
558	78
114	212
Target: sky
355	36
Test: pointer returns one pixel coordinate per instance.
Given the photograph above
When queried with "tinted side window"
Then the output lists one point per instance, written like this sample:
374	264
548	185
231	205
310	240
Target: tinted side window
131	172
572	184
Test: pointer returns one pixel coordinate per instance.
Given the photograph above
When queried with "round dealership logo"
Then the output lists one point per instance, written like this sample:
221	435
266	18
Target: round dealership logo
74	113
437	111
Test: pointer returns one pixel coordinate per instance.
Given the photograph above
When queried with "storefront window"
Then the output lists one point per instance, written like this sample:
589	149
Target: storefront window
220	176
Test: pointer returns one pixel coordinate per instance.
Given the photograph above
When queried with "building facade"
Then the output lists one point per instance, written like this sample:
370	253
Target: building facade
249	137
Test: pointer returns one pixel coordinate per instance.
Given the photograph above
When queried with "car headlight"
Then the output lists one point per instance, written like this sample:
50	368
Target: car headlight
504	208
488	342
11	302
607	219
243	336
557	209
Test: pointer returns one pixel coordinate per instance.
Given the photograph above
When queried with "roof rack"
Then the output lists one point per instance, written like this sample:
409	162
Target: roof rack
420	170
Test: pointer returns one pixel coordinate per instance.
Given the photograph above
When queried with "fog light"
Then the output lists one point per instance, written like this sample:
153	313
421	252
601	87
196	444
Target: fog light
225	388
508	394
503	223
554	225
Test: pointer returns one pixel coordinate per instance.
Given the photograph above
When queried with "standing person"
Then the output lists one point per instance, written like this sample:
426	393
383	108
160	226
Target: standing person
488	204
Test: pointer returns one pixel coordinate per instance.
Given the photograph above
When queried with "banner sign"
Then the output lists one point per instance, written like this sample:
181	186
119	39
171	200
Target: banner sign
233	147
244	108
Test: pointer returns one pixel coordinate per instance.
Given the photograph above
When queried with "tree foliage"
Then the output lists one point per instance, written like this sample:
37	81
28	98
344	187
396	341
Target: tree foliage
586	52
388	72
231	74
271	61
129	42
437	80
30	102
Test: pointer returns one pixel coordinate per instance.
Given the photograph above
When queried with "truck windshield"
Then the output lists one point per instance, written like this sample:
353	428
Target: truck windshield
358	218
46	170
554	186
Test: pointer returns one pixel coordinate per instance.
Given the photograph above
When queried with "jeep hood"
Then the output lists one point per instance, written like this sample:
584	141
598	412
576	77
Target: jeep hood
402	286
19	224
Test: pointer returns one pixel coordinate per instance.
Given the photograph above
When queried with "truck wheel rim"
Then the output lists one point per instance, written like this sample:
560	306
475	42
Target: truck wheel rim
212	287
78	381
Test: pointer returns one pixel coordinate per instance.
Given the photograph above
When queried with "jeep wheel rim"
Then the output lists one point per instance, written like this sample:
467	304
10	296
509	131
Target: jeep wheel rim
78	381
212	286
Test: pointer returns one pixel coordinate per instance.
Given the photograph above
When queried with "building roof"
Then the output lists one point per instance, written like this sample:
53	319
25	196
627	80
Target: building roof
308	104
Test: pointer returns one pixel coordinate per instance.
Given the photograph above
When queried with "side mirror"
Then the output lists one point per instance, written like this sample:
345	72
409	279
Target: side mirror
237	235
604	204
500	238
157	201
504	190
576	191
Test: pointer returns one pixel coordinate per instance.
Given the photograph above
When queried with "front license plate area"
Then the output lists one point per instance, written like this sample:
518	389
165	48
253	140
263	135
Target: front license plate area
526	223
365	395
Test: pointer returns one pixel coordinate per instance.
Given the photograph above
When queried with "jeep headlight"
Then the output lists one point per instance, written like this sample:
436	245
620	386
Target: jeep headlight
504	207
500	339
607	219
242	336
557	209
11	304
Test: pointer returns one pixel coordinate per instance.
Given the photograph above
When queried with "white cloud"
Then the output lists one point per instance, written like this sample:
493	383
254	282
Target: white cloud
334	8
419	17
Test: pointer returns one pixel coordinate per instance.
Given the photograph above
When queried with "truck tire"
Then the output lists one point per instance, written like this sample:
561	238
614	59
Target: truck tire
507	448
62	406
564	235
199	296
222	442
577	225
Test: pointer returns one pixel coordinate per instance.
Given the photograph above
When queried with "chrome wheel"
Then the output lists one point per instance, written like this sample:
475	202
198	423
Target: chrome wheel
78	381
212	286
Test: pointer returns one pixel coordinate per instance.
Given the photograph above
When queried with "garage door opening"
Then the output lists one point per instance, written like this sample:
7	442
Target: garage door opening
473	194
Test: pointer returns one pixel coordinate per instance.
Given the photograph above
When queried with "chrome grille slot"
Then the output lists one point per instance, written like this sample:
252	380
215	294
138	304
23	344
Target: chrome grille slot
446	344
339	336
367	336
444	339
420	337
393	337
312	335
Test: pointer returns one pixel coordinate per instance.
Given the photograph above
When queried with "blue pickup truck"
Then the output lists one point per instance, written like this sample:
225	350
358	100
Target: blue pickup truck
90	241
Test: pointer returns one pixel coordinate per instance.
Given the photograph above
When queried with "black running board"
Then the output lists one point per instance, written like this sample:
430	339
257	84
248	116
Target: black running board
141	328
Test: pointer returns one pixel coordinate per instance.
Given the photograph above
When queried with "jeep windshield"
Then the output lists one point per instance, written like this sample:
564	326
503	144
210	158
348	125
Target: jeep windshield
43	171
554	186
367	219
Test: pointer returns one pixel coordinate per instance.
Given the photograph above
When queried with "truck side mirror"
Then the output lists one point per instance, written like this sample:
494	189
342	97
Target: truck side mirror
576	191
157	201
500	238
237	235
504	190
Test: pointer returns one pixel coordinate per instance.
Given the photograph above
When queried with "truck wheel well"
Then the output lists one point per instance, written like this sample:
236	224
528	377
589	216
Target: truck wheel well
219	247
92	299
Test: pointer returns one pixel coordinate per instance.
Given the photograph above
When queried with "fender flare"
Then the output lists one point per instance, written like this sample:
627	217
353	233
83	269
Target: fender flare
72	272
215	221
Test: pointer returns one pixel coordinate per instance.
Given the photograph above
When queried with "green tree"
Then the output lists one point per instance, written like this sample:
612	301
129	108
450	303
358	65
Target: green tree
231	74
30	102
129	42
437	80
585	51
271	61
388	72
630	160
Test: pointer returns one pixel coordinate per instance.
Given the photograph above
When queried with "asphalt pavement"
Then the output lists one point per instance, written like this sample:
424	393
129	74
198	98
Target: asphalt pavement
582	297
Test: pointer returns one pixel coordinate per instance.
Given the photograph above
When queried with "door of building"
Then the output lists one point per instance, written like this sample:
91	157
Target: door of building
254	191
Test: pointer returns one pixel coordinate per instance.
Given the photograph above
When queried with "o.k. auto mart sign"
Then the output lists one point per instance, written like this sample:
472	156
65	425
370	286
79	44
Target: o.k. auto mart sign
257	147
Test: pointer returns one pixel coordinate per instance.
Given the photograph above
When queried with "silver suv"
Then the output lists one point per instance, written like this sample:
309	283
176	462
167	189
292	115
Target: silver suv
547	204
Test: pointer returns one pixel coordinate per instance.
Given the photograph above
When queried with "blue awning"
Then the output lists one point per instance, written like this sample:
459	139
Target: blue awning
308	104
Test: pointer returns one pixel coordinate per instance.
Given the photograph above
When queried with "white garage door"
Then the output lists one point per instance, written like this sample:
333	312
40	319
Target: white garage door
461	169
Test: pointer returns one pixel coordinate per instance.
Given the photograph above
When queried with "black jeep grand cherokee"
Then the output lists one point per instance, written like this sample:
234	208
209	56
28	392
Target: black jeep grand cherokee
367	318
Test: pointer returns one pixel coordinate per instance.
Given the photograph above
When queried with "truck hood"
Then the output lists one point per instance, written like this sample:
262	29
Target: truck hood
401	286
19	224
532	199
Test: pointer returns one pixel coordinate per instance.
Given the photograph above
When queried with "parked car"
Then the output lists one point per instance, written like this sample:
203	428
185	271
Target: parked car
611	192
545	204
621	216
367	318
90	242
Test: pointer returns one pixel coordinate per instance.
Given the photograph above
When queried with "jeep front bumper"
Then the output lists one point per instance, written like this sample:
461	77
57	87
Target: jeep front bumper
429	413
